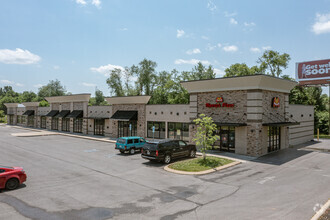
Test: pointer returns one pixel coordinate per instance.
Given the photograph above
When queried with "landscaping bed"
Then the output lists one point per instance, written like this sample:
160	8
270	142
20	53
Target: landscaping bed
199	164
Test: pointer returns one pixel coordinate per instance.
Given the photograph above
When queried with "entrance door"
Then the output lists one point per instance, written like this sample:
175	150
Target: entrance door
227	138
99	126
65	124
43	122
127	128
54	123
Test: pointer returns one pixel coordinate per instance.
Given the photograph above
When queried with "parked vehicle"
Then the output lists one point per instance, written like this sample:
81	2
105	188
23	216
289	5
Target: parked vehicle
130	144
167	150
11	177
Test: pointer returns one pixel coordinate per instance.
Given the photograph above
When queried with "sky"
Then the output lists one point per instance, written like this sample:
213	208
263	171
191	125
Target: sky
79	41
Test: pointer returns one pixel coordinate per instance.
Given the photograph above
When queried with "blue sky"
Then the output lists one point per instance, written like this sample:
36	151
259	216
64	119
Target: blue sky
79	41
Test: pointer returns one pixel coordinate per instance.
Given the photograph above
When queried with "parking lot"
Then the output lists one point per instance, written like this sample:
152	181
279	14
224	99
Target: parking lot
73	178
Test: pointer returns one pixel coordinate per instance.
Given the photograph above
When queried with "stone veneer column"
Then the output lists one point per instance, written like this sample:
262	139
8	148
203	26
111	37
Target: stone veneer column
193	114
254	142
60	124
48	123
85	120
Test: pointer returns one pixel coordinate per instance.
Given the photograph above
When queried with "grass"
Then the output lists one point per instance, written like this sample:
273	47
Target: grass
198	164
325	136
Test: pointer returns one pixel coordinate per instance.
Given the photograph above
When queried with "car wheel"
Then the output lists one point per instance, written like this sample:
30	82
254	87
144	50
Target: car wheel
167	159
132	151
192	153
12	184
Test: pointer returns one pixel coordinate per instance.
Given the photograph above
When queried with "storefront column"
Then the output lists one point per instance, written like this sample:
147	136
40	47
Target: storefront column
60	124
166	130
85	126
71	125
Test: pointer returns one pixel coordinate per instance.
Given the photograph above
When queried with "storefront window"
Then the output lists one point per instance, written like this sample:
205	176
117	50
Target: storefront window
65	124
124	128
54	123
19	119
77	125
159	130
274	139
30	121
43	122
99	127
227	138
178	131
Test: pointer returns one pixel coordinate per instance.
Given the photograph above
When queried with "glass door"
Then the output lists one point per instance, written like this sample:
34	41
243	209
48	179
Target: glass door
99	127
127	128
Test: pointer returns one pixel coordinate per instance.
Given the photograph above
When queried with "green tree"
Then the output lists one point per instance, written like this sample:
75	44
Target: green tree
53	88
114	82
27	96
146	74
241	69
274	62
205	136
43	103
2	115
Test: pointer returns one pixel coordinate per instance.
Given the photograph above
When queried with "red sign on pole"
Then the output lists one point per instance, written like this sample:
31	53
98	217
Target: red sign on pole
313	72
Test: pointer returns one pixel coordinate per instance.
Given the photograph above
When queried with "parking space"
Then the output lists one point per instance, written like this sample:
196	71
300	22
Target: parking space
72	178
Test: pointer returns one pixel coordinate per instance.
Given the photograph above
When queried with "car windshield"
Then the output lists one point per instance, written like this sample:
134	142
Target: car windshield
151	146
121	141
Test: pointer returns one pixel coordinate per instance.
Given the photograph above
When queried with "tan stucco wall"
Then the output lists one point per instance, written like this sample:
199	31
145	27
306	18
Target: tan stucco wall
168	113
305	131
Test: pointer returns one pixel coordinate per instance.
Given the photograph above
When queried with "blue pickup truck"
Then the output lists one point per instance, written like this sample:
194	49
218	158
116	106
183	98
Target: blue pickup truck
130	144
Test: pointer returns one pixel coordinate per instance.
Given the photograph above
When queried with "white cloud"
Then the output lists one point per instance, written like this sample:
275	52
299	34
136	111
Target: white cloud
123	29
193	51
56	67
81	2
255	50
219	45
227	14
18	56
205	38
233	21
97	3
210	47
266	47
211	6
7	82
192	62
219	72
88	84
19	84
231	48
180	33
322	24
105	70
38	85
251	24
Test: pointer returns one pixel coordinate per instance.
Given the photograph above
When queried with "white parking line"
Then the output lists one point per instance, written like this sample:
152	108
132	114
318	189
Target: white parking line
90	151
266	179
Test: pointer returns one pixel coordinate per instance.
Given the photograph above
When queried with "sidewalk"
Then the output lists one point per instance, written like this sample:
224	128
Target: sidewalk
41	132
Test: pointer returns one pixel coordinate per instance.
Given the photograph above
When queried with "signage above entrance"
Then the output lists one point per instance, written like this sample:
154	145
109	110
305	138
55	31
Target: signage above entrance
219	104
276	102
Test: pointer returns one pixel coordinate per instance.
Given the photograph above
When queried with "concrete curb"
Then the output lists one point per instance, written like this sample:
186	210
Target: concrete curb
205	171
321	211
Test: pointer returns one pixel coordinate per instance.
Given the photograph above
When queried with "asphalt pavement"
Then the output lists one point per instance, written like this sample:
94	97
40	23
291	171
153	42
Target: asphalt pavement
73	178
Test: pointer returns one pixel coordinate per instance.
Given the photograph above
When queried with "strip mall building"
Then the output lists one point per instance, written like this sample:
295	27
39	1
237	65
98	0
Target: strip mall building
252	113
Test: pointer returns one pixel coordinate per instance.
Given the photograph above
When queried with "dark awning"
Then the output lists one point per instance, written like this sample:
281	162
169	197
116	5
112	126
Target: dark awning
125	115
62	114
10	114
97	117
230	124
29	112
52	113
280	124
75	114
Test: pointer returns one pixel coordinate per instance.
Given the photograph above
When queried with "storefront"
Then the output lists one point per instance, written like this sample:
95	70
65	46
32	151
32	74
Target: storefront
252	115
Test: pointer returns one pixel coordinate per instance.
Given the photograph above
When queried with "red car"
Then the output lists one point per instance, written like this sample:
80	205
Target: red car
11	177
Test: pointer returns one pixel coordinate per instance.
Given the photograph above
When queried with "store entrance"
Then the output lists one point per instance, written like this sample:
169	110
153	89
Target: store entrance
127	128
227	139
99	127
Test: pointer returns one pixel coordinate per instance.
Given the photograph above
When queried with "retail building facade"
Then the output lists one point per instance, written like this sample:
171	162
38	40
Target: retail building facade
252	113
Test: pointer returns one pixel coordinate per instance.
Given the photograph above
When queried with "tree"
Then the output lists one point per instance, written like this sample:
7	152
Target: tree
98	99
205	136
28	97
146	74
241	69
114	82
274	62
164	87
53	88
43	103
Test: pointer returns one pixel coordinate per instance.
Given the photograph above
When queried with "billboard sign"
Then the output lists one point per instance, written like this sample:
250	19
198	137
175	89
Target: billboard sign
313	72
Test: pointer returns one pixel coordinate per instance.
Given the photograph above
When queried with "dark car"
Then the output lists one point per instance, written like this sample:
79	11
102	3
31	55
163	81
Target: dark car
167	150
